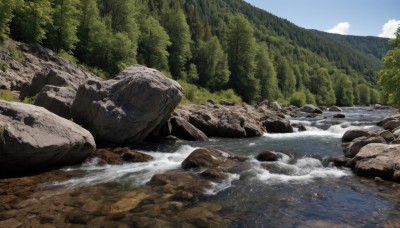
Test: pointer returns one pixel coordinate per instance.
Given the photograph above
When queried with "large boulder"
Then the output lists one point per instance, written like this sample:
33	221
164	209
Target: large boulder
354	133
391	125
278	126
309	108
379	160
57	100
387	135
32	138
354	147
126	109
185	130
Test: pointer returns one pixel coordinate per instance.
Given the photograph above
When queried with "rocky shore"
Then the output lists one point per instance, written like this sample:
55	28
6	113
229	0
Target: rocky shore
373	154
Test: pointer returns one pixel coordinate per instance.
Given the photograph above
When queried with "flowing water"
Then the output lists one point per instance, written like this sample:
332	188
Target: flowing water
301	189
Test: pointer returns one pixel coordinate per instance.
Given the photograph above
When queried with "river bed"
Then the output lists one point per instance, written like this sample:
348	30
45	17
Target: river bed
302	189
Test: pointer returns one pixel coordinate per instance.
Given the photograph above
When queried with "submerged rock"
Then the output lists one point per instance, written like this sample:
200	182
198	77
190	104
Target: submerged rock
118	156
126	109
267	156
32	138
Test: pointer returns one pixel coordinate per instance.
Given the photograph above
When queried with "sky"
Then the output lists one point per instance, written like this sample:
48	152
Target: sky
347	17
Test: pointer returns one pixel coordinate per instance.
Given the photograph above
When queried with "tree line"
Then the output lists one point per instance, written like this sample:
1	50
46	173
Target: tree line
208	43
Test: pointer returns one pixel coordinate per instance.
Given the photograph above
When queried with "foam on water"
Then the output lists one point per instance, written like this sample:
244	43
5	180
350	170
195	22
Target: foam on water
335	131
136	174
304	170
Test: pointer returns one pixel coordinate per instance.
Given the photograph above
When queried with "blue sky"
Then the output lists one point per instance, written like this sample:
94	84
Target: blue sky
352	17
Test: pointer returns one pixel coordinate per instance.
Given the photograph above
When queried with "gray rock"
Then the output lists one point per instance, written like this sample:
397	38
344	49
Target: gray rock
335	109
387	135
57	100
275	106
126	109
354	133
185	130
391	125
339	116
384	121
33	138
278	126
354	147
379	160
309	108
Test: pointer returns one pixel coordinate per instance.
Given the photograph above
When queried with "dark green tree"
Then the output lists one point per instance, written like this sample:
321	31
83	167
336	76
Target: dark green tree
174	22
344	91
241	53
7	8
153	43
212	65
31	20
286	78
321	86
62	33
390	74
266	75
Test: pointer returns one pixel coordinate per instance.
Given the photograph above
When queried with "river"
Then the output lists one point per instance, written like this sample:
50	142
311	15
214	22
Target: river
302	189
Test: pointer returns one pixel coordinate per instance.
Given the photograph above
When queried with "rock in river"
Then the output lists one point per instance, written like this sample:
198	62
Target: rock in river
379	160
33	138
126	109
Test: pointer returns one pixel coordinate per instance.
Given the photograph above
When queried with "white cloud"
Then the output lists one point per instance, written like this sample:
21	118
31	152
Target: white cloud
389	28
341	28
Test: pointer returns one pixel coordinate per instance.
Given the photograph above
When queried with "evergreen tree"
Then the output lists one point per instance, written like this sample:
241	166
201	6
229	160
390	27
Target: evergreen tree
212	64
286	78
390	75
174	22
266	75
7	8
62	33
31	20
321	86
241	53
153	43
344	91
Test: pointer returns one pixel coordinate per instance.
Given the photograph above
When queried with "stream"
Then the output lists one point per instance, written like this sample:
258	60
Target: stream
301	189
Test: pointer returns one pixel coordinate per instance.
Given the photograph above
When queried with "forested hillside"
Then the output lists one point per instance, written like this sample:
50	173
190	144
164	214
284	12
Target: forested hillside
215	44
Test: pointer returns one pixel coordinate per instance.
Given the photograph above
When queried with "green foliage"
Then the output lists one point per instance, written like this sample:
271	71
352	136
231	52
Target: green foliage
193	75
217	44
175	24
12	50
390	75
344	91
62	33
29	100
6	95
212	65
321	86
3	66
199	95
298	99
266	75
286	78
241	53
153	43
31	20
7	8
